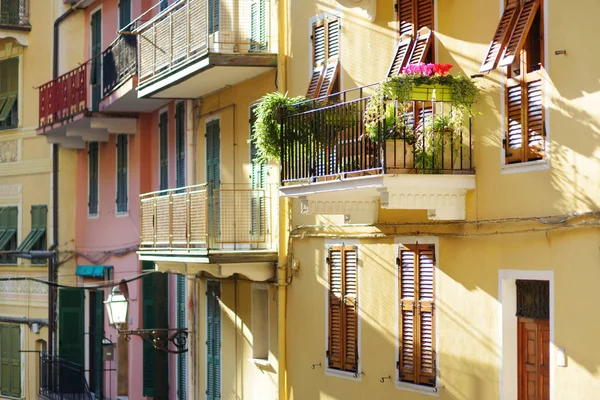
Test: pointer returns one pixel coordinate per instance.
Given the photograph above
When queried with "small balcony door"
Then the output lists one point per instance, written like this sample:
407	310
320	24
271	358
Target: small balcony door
96	67
213	179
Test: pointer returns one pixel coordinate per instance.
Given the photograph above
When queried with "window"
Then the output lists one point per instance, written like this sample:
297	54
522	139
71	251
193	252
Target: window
93	178
124	13
163	127
213	16
258	26
417	354
36	239
164	4
213	340
415	26
122	172
181	323
180	144
325	38
260	323
9	90
10	355
518	45
8	232
342	353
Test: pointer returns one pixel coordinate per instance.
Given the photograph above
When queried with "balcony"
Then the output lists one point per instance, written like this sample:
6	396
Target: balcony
196	47
218	228
62	379
68	108
334	165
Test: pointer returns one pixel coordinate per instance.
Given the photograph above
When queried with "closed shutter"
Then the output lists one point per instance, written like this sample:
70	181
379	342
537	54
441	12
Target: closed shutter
163	127
71	334
161	313
122	172
181	323
258	181
501	36
421	47
213	175
96	48
124	13
213	340
343	308
258	25
417	354
535	117
149	360
213	16
519	32
400	57
164	4
93	178
10	355
180	144
5	357
96	342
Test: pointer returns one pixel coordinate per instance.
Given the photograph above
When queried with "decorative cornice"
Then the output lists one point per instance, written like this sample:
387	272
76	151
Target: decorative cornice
26	168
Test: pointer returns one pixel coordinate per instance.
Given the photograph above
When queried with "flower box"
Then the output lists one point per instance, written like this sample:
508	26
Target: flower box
431	92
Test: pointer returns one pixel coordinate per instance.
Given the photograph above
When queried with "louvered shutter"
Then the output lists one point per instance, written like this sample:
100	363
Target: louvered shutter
213	176
258	16
5	369
406	274
164	150
213	341
161	312
400	58
519	32
15	361
350	309
501	36
332	45
426	326
124	13
70	332
424	12
96	338
329	78
96	72
421	46
319	60
164	4
122	172
180	144
258	181
535	117
213	16
181	323
9	89
148	356
93	178
336	308
405	17
315	82
513	142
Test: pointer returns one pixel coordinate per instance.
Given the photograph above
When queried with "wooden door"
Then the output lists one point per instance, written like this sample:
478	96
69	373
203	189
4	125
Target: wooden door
534	359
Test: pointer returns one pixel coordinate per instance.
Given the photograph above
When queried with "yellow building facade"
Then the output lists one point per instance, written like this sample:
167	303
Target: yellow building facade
522	225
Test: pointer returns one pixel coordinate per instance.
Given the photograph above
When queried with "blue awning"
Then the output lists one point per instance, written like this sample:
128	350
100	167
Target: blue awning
93	271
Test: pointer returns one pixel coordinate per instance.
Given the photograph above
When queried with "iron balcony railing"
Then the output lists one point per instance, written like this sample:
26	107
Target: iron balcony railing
211	216
119	62
14	12
327	138
61	379
189	29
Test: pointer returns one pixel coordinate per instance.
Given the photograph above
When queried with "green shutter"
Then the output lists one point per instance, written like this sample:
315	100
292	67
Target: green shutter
181	323
161	312
96	74
213	340
70	325
258	180
164	150
213	176
93	178
258	25
5	357
124	13
180	143
15	357
96	335
213	16
8	232
148	322
122	172
35	240
9	90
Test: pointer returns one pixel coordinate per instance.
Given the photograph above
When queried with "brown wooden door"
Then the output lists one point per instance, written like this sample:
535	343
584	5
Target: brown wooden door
534	359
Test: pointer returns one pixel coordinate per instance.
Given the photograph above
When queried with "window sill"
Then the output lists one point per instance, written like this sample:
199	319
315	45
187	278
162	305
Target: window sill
261	362
343	374
411	387
122	214
529	166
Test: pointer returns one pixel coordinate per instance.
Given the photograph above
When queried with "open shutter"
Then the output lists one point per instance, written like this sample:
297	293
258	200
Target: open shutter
426	327
400	58
149	369
336	318
331	72
350	273
180	143
424	11
9	72
315	82
257	25
505	26
319	61
421	46
519	32
535	118
258	181
513	142
406	275
329	78
405	17
213	16
124	13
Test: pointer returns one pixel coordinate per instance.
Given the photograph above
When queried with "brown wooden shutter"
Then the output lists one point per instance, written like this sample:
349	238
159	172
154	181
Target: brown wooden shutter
315	82
426	325
330	75
534	118
319	45
326	50
513	142
424	12
406	275
336	320
400	58
351	308
519	32
405	17
333	39
422	43
501	36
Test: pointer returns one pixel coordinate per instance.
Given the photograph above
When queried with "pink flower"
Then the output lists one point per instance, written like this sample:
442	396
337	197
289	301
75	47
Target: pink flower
427	69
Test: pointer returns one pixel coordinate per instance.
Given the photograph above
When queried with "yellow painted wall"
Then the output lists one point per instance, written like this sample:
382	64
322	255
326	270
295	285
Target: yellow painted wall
471	256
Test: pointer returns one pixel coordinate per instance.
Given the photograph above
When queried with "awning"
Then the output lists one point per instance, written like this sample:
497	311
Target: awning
93	271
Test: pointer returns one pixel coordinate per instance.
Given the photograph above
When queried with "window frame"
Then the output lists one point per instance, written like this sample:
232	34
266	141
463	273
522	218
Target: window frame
121	212
257	287
408	386
13	66
13	242
354	376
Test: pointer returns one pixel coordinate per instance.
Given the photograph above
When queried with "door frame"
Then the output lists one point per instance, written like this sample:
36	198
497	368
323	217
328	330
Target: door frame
507	330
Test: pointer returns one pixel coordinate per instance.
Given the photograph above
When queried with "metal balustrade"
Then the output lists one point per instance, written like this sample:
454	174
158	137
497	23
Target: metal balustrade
210	216
62	380
119	62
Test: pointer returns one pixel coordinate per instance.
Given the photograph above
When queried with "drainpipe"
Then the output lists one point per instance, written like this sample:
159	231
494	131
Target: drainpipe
53	263
284	207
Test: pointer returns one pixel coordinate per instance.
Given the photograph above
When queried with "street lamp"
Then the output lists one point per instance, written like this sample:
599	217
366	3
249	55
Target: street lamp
117	306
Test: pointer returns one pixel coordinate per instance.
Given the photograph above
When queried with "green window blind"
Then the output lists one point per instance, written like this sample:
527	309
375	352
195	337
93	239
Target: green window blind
258	25
10	356
155	309
180	143
122	172
258	180
96	335
96	74
8	232
163	127
213	341
9	90
93	178
124	13
181	323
